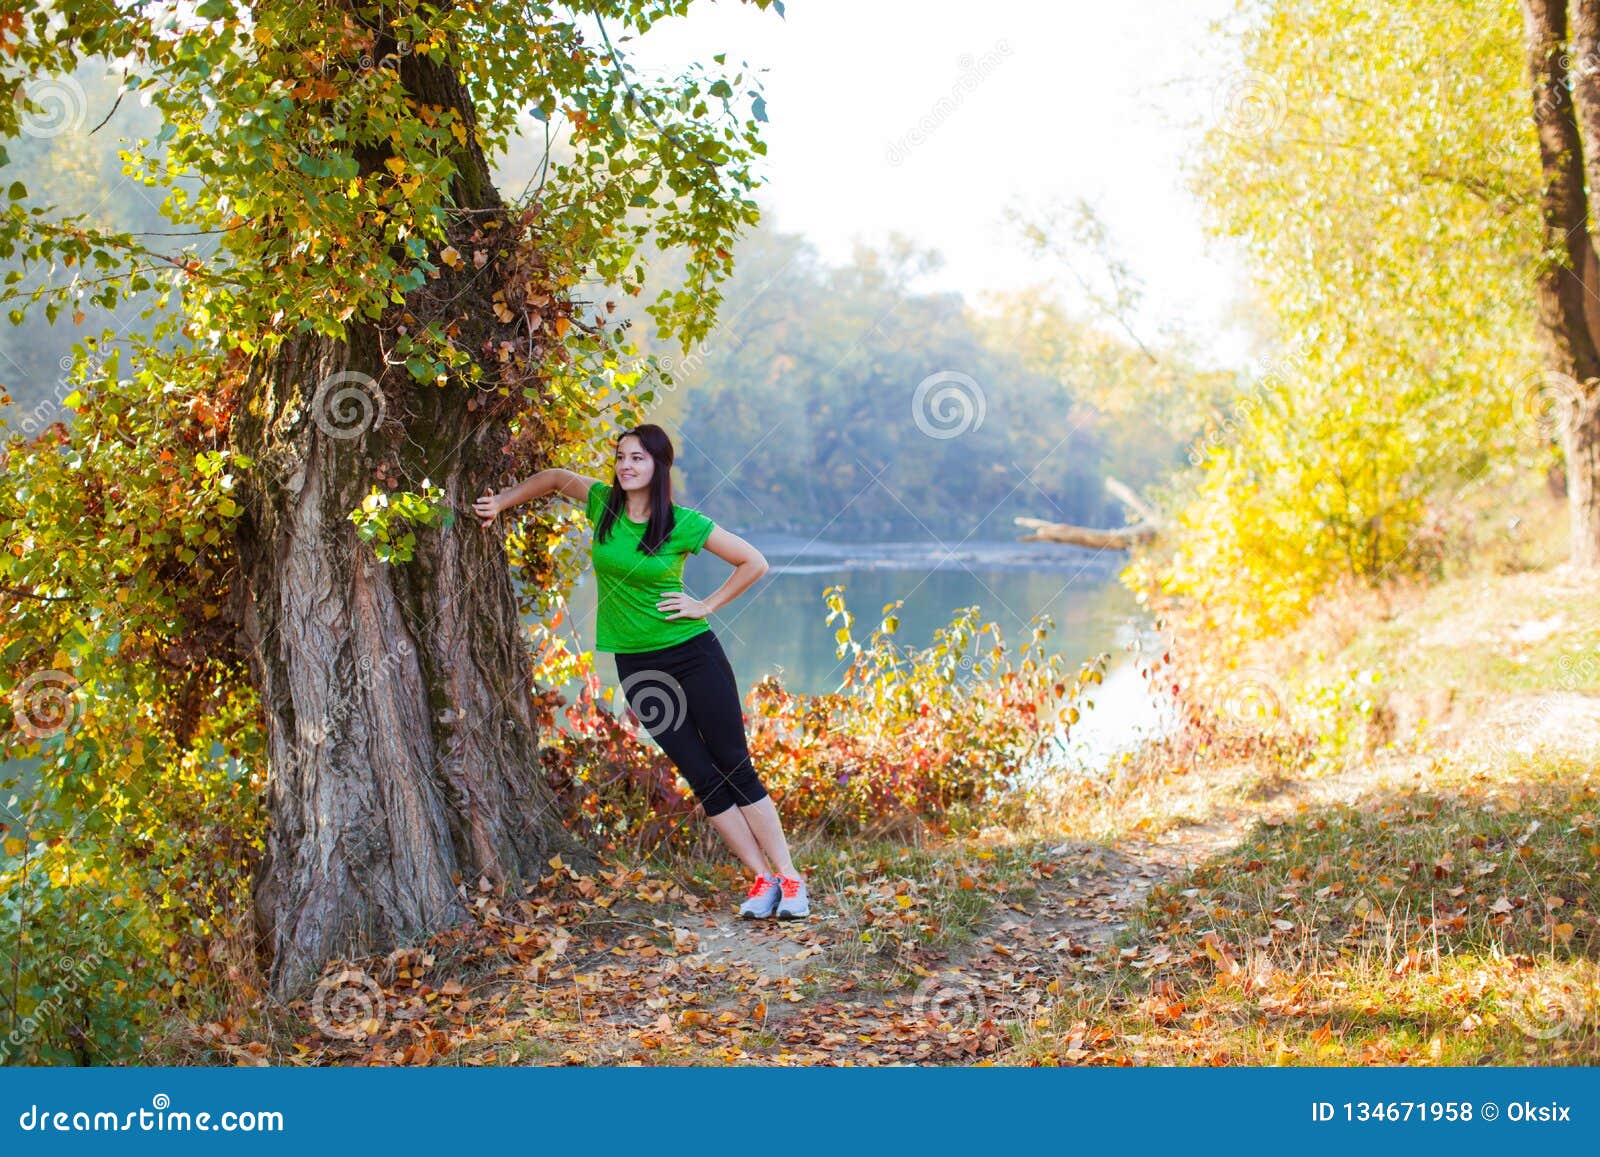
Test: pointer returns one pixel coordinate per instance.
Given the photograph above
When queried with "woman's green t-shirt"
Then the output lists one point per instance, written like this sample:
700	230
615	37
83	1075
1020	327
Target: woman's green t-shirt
631	583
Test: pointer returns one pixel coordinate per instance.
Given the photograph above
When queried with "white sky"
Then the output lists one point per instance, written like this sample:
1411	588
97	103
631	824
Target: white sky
1093	99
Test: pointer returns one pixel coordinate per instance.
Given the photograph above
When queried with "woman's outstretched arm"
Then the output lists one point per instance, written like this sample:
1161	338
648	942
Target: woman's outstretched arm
568	482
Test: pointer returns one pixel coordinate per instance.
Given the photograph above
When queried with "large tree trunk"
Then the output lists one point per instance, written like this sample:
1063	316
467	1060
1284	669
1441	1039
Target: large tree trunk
1568	285
403	762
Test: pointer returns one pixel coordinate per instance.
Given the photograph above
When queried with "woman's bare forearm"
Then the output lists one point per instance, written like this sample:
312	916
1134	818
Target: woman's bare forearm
743	575
531	487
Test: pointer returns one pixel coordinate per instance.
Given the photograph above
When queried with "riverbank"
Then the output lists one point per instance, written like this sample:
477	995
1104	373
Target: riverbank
1384	853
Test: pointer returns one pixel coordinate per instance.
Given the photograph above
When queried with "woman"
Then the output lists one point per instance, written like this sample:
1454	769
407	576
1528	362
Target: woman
668	660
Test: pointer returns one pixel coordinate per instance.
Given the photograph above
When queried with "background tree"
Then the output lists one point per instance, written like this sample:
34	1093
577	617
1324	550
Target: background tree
1377	168
1563	53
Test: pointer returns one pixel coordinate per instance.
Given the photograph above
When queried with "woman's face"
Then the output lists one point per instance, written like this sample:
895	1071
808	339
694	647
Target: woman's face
634	465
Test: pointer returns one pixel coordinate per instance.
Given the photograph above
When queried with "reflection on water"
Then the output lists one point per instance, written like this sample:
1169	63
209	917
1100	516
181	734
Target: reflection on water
779	625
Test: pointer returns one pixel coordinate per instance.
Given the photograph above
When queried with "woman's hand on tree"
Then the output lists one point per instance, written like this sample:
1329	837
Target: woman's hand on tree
487	507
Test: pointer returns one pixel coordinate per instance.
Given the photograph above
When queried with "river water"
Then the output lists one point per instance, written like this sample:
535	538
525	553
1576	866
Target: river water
779	626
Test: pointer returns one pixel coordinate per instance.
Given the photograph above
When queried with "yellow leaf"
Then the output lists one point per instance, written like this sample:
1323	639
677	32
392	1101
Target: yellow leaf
450	256
14	846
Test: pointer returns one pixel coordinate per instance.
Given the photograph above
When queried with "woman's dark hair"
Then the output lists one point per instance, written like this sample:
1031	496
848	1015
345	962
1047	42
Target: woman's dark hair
658	445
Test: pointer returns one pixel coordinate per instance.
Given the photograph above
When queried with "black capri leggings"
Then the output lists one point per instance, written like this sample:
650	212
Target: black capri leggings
688	700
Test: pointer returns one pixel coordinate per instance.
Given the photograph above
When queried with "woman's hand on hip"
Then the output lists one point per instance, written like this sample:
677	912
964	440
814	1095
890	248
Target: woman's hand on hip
686	606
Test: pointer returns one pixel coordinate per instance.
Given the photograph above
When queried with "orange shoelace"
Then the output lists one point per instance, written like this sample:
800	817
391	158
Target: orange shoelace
756	888
791	888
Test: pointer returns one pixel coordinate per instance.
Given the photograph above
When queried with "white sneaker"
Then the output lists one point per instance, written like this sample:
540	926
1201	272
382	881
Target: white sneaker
792	905
761	899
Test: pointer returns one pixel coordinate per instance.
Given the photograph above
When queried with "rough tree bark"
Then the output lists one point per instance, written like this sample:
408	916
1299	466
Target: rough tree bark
1568	286
404	765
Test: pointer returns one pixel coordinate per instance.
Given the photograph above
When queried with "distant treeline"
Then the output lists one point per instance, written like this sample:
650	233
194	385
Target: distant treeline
840	401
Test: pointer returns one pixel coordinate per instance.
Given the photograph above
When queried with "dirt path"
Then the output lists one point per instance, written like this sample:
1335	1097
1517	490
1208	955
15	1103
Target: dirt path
809	993
618	968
